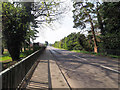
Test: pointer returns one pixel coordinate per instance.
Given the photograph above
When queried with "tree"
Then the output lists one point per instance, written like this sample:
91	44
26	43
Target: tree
65	43
90	41
15	23
17	18
99	18
83	14
31	35
111	21
1	46
74	41
56	44
82	40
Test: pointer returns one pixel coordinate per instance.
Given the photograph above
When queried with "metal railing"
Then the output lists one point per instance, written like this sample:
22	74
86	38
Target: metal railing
13	76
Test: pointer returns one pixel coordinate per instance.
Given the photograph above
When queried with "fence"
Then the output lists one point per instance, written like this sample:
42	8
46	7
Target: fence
13	76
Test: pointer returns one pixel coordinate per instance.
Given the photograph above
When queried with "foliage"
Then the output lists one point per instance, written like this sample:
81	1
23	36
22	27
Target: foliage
84	13
111	21
19	18
74	41
104	19
15	24
47	12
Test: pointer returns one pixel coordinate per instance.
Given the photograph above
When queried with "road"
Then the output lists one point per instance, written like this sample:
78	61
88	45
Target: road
86	71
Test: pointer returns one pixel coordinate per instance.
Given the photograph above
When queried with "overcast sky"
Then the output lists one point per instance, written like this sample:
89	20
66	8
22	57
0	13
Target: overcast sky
62	30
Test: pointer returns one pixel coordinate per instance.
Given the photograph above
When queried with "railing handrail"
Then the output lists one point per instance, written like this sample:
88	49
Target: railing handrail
4	71
13	76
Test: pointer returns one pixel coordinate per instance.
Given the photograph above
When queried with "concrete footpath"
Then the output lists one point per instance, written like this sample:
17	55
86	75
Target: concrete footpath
47	74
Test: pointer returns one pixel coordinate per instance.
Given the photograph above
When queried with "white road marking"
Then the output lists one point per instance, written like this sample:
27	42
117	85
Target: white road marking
105	67
110	68
80	57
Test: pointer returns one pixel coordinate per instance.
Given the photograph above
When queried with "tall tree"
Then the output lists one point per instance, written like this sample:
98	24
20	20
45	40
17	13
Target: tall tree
99	18
83	14
110	12
15	21
17	17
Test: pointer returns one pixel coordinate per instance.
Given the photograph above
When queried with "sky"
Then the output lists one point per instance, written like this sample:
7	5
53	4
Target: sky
62	29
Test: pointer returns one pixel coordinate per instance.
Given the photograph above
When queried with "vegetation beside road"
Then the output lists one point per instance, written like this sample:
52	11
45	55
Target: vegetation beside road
97	54
7	58
92	53
103	34
19	23
7	61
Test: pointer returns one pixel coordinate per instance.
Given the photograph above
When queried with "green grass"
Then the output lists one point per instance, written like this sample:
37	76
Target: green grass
79	51
97	54
113	56
26	53
6	57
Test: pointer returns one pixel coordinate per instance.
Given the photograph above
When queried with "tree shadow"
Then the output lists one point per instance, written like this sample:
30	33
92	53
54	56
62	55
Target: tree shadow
92	59
36	84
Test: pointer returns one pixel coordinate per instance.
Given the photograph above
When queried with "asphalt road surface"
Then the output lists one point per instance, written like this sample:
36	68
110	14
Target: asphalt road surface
87	71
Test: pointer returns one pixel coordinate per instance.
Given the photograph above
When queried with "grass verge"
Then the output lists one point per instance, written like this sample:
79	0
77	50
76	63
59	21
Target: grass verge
97	54
6	60
6	56
92	53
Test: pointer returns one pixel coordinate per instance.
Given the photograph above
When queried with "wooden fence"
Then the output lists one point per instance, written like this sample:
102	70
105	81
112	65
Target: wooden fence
13	76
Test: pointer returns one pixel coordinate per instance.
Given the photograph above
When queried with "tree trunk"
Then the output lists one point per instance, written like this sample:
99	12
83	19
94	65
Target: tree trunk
29	44
21	49
94	37
2	50
14	50
24	46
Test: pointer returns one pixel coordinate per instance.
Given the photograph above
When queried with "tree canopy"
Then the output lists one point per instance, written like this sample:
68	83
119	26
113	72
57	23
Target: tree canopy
84	13
104	20
20	22
74	41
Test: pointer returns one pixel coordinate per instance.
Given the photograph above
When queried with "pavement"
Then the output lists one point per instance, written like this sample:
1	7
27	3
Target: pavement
47	74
